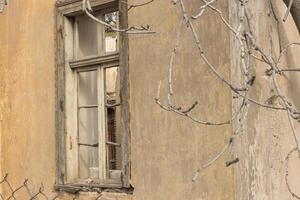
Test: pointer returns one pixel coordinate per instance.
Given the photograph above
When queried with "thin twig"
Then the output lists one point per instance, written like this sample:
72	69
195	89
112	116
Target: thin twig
140	4
288	10
287	159
130	30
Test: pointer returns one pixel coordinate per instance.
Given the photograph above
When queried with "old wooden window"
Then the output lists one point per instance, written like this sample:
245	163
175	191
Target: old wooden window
90	120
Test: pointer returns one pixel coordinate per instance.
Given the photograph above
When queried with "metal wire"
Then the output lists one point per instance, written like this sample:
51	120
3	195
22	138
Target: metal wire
25	192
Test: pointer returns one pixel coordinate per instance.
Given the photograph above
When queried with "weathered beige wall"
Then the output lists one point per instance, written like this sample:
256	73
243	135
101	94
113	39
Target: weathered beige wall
166	148
267	136
27	92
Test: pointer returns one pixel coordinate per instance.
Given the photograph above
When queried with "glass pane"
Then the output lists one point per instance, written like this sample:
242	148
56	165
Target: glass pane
88	125
87	88
111	37
88	142
90	35
113	116
88	162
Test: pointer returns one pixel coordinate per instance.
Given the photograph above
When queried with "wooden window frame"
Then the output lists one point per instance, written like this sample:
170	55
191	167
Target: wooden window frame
71	8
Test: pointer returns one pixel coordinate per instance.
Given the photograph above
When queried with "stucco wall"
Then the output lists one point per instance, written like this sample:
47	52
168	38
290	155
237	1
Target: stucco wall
27	92
166	149
267	137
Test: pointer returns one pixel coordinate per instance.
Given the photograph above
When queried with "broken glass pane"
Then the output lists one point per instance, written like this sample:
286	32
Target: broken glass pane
111	37
113	115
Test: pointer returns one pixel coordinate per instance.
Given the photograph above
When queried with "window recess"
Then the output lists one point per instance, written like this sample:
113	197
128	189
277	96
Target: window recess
90	127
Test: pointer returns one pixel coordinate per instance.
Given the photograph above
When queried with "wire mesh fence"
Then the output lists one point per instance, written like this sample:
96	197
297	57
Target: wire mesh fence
24	191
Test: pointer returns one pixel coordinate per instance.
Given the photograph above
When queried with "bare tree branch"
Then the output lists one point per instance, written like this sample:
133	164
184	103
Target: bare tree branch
295	10
86	7
287	160
130	6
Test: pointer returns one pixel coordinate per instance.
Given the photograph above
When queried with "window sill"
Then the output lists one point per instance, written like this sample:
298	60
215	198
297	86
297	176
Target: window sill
75	188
